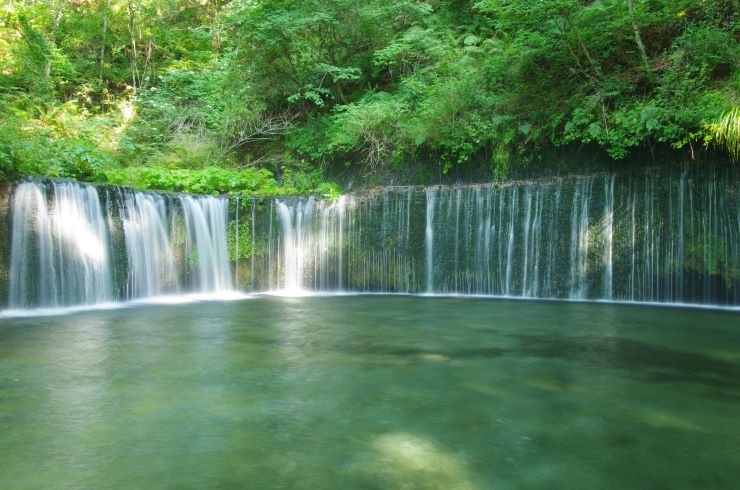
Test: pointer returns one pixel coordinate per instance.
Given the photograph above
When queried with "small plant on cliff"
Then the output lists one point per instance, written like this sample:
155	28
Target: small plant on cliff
725	133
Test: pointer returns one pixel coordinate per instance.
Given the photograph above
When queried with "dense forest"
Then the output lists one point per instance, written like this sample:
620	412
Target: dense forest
262	96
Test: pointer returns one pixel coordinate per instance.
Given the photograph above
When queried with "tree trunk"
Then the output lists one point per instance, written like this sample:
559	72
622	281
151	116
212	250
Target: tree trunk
149	51
585	50
572	52
55	29
638	39
102	44
134	55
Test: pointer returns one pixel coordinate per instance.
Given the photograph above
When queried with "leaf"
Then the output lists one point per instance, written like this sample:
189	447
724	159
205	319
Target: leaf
471	40
652	124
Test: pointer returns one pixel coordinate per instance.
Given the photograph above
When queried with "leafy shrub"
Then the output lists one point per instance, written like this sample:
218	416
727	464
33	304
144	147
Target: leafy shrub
215	180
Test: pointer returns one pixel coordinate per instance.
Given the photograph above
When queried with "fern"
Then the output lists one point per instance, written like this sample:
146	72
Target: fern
726	133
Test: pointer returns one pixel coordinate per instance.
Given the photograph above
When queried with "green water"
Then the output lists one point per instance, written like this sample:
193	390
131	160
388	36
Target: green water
372	392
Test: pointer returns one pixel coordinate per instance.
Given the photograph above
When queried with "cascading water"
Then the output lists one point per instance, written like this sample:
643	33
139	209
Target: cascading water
67	249
608	237
580	239
310	246
59	250
151	261
656	235
206	222
292	253
665	235
429	238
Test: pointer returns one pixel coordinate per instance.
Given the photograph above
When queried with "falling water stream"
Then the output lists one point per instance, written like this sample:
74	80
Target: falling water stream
60	252
653	236
76	244
659	235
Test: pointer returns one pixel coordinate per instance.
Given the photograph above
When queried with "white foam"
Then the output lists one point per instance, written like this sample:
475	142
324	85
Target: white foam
174	299
292	293
177	299
309	294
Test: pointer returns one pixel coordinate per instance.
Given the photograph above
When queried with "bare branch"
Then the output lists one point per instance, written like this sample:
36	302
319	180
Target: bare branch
239	132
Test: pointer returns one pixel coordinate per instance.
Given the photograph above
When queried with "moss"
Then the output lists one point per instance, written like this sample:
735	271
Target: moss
4	241
244	242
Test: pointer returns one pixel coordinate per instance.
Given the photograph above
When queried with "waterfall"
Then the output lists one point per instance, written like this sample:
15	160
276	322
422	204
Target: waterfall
580	239
608	237
253	248
151	261
68	249
298	242
205	223
236	241
59	249
290	250
30	221
341	208
660	235
513	207
310	245
429	238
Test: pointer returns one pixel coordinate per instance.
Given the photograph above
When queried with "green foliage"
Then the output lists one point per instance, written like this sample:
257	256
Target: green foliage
182	95
217	180
183	111
303	179
725	133
244	232
137	93
368	128
510	77
209	180
56	142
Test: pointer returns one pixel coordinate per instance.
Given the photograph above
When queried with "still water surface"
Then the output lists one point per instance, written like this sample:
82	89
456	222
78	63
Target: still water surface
372	392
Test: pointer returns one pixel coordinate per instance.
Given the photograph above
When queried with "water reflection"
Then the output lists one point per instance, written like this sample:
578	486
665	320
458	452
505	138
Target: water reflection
369	392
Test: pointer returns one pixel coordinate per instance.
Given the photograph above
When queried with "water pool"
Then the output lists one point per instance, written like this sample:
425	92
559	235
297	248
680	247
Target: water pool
361	392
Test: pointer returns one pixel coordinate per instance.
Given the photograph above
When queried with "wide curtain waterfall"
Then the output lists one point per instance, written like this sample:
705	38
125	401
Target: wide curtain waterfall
75	244
658	235
670	235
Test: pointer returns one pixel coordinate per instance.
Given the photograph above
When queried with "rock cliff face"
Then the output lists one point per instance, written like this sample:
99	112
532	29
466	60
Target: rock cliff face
4	240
